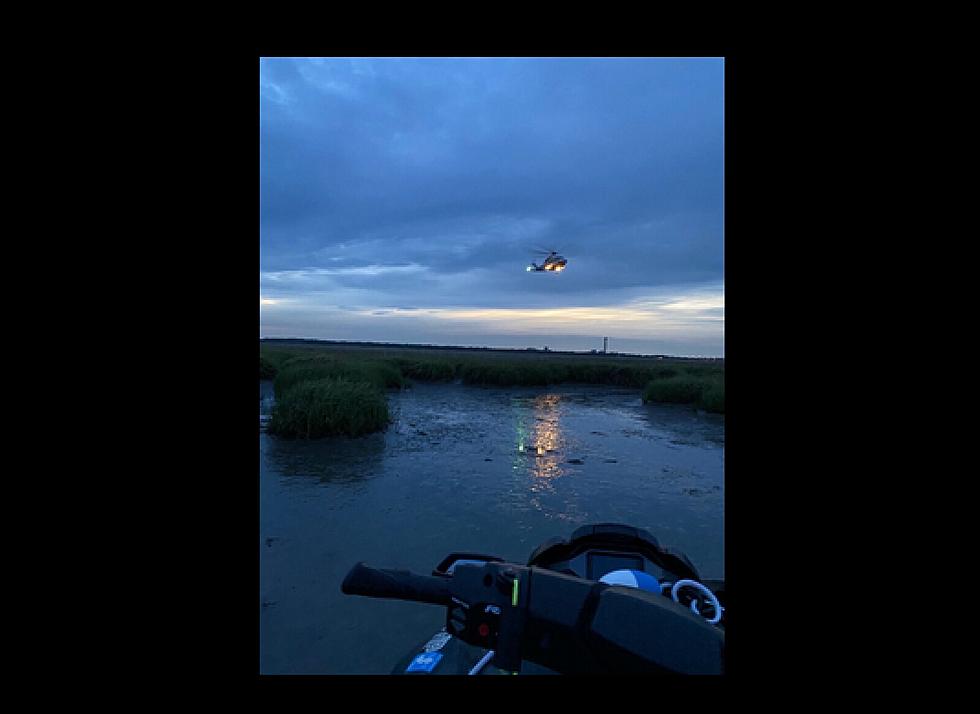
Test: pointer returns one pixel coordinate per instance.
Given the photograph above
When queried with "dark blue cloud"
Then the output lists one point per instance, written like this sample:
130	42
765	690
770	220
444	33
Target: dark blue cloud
459	167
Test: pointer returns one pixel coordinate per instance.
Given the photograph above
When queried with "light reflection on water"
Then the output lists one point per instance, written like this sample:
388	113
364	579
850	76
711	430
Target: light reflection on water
301	461
547	439
539	440
542	456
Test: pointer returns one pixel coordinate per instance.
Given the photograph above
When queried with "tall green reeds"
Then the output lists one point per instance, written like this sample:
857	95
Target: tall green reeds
323	395
426	370
705	391
381	375
328	407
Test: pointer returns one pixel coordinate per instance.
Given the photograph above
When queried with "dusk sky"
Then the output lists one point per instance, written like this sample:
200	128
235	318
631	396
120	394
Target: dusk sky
402	199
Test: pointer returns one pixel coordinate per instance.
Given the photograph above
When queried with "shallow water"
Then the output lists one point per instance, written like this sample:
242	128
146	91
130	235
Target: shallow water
485	470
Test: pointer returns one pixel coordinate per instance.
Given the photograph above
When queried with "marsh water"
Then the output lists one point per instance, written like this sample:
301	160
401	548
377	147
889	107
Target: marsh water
461	468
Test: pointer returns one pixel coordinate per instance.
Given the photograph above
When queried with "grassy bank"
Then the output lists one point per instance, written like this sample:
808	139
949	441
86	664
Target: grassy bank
306	368
679	381
328	407
703	391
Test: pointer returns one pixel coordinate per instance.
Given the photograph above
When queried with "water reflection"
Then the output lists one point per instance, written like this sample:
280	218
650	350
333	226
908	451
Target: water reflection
266	401
540	443
547	439
330	460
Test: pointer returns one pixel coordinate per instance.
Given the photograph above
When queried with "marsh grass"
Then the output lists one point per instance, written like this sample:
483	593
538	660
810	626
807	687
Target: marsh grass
328	407
703	391
524	373
701	384
713	397
267	368
508	374
426	371
293	371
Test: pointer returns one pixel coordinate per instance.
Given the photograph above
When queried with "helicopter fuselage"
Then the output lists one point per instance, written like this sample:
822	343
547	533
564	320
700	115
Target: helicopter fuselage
552	264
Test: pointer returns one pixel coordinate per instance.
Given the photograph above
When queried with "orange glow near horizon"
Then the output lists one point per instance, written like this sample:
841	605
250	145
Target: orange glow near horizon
638	311
698	315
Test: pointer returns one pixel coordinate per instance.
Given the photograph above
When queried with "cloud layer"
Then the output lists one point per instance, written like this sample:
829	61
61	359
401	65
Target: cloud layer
401	200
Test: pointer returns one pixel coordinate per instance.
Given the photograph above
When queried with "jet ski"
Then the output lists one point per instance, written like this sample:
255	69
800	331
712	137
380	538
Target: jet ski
609	599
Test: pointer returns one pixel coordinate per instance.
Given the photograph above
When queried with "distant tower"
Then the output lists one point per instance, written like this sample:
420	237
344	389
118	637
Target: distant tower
605	345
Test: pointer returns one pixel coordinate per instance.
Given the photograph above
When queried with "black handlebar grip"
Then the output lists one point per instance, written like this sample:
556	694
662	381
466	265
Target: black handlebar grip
396	584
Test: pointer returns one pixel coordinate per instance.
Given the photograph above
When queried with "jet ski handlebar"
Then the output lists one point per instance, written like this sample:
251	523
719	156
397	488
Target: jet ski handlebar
396	585
569	624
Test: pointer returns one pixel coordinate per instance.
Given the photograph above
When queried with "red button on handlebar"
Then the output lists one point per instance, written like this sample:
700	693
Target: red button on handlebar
483	629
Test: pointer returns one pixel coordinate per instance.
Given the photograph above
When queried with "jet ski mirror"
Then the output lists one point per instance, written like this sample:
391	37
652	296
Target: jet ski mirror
448	565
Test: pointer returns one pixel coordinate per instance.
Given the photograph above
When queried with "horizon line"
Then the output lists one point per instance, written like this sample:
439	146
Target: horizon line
484	348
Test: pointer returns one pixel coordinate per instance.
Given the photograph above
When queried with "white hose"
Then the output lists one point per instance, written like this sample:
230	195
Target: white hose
704	591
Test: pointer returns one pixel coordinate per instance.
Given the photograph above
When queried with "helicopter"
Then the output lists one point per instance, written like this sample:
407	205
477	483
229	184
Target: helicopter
553	263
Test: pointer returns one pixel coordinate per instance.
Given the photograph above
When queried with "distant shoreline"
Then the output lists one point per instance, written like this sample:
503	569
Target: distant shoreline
454	348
